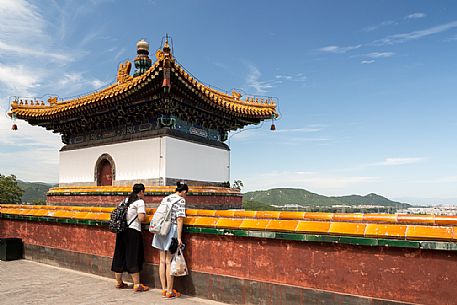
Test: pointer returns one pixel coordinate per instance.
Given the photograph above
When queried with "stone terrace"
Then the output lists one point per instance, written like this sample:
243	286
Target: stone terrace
27	282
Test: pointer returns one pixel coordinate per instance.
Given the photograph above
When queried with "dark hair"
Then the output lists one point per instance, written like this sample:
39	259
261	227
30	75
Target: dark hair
181	186
137	187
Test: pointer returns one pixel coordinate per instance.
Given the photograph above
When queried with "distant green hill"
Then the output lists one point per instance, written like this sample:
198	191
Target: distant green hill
283	196
370	199
34	191
291	198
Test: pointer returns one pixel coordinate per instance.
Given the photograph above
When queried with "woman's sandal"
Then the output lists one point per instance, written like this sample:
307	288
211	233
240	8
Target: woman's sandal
164	293
172	295
122	286
140	288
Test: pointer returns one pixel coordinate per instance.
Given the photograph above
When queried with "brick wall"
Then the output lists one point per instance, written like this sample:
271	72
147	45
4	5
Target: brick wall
294	270
192	201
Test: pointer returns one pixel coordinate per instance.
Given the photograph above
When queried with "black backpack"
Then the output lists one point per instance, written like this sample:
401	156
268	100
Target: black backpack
118	219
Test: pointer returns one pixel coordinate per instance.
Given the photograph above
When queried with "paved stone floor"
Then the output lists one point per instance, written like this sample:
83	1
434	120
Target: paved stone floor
27	282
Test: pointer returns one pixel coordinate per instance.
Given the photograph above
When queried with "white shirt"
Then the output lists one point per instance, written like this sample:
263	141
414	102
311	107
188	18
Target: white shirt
135	208
179	207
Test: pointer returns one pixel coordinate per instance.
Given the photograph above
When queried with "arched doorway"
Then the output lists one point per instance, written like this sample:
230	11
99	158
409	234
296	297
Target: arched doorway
106	177
105	170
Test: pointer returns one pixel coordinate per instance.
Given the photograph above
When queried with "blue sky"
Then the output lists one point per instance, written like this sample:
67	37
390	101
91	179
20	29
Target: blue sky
367	89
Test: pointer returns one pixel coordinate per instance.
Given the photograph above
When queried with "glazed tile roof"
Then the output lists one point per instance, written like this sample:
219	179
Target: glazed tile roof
250	108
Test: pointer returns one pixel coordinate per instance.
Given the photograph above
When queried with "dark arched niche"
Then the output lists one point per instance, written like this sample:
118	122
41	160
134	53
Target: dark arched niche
105	170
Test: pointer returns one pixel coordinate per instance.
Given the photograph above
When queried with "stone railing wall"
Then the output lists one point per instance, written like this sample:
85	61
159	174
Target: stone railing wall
206	197
249	257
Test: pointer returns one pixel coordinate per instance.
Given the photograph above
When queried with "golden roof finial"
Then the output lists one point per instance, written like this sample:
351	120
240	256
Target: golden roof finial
166	46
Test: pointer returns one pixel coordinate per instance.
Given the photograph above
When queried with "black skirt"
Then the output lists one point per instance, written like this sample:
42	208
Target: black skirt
129	252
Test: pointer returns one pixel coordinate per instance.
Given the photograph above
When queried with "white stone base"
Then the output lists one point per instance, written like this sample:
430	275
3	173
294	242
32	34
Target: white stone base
147	160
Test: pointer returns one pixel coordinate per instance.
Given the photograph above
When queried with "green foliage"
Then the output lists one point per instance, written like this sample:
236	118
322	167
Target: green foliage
237	184
300	199
257	206
283	196
39	202
10	192
34	192
372	199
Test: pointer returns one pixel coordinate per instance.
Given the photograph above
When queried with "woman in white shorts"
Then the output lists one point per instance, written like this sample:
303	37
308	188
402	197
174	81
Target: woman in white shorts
178	213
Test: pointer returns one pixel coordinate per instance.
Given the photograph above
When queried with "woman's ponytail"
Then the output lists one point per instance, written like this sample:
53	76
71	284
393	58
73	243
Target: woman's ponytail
181	186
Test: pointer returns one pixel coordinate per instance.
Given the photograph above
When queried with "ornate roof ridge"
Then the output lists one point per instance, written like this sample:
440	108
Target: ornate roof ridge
235	97
109	91
249	106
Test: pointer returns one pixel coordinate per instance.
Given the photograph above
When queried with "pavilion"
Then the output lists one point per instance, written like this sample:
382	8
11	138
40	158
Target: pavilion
157	126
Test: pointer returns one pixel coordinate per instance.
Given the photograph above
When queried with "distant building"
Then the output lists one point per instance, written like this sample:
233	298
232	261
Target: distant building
437	210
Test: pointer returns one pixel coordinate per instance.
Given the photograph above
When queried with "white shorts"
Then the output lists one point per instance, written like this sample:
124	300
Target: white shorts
163	242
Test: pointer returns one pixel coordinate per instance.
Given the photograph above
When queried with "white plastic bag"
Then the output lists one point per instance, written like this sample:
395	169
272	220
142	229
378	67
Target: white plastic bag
178	264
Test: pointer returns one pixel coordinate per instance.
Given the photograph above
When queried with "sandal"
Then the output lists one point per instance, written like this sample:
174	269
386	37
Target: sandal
122	286
164	293
140	288
172	295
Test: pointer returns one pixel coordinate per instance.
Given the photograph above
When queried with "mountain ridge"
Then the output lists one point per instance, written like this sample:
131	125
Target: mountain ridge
34	192
278	197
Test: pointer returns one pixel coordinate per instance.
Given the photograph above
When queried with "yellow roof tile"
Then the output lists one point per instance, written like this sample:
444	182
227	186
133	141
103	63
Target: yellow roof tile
248	107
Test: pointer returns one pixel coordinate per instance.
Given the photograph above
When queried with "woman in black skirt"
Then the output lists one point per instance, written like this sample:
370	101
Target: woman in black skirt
129	251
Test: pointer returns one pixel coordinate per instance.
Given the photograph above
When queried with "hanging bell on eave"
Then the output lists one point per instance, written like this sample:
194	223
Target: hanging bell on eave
166	85
13	118
273	126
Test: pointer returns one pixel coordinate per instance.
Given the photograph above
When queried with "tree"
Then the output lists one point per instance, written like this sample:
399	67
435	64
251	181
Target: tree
238	184
10	192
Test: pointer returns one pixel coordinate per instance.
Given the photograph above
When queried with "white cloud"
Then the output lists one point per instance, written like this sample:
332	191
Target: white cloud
299	130
97	83
19	50
119	53
70	79
18	78
380	25
302	179
31	153
300	140
253	80
254	76
339	50
91	36
416	16
32	65
19	16
405	37
23	31
299	77
367	62
26	135
70	12
380	54
77	82
451	179
287	77
291	136
392	22
398	161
